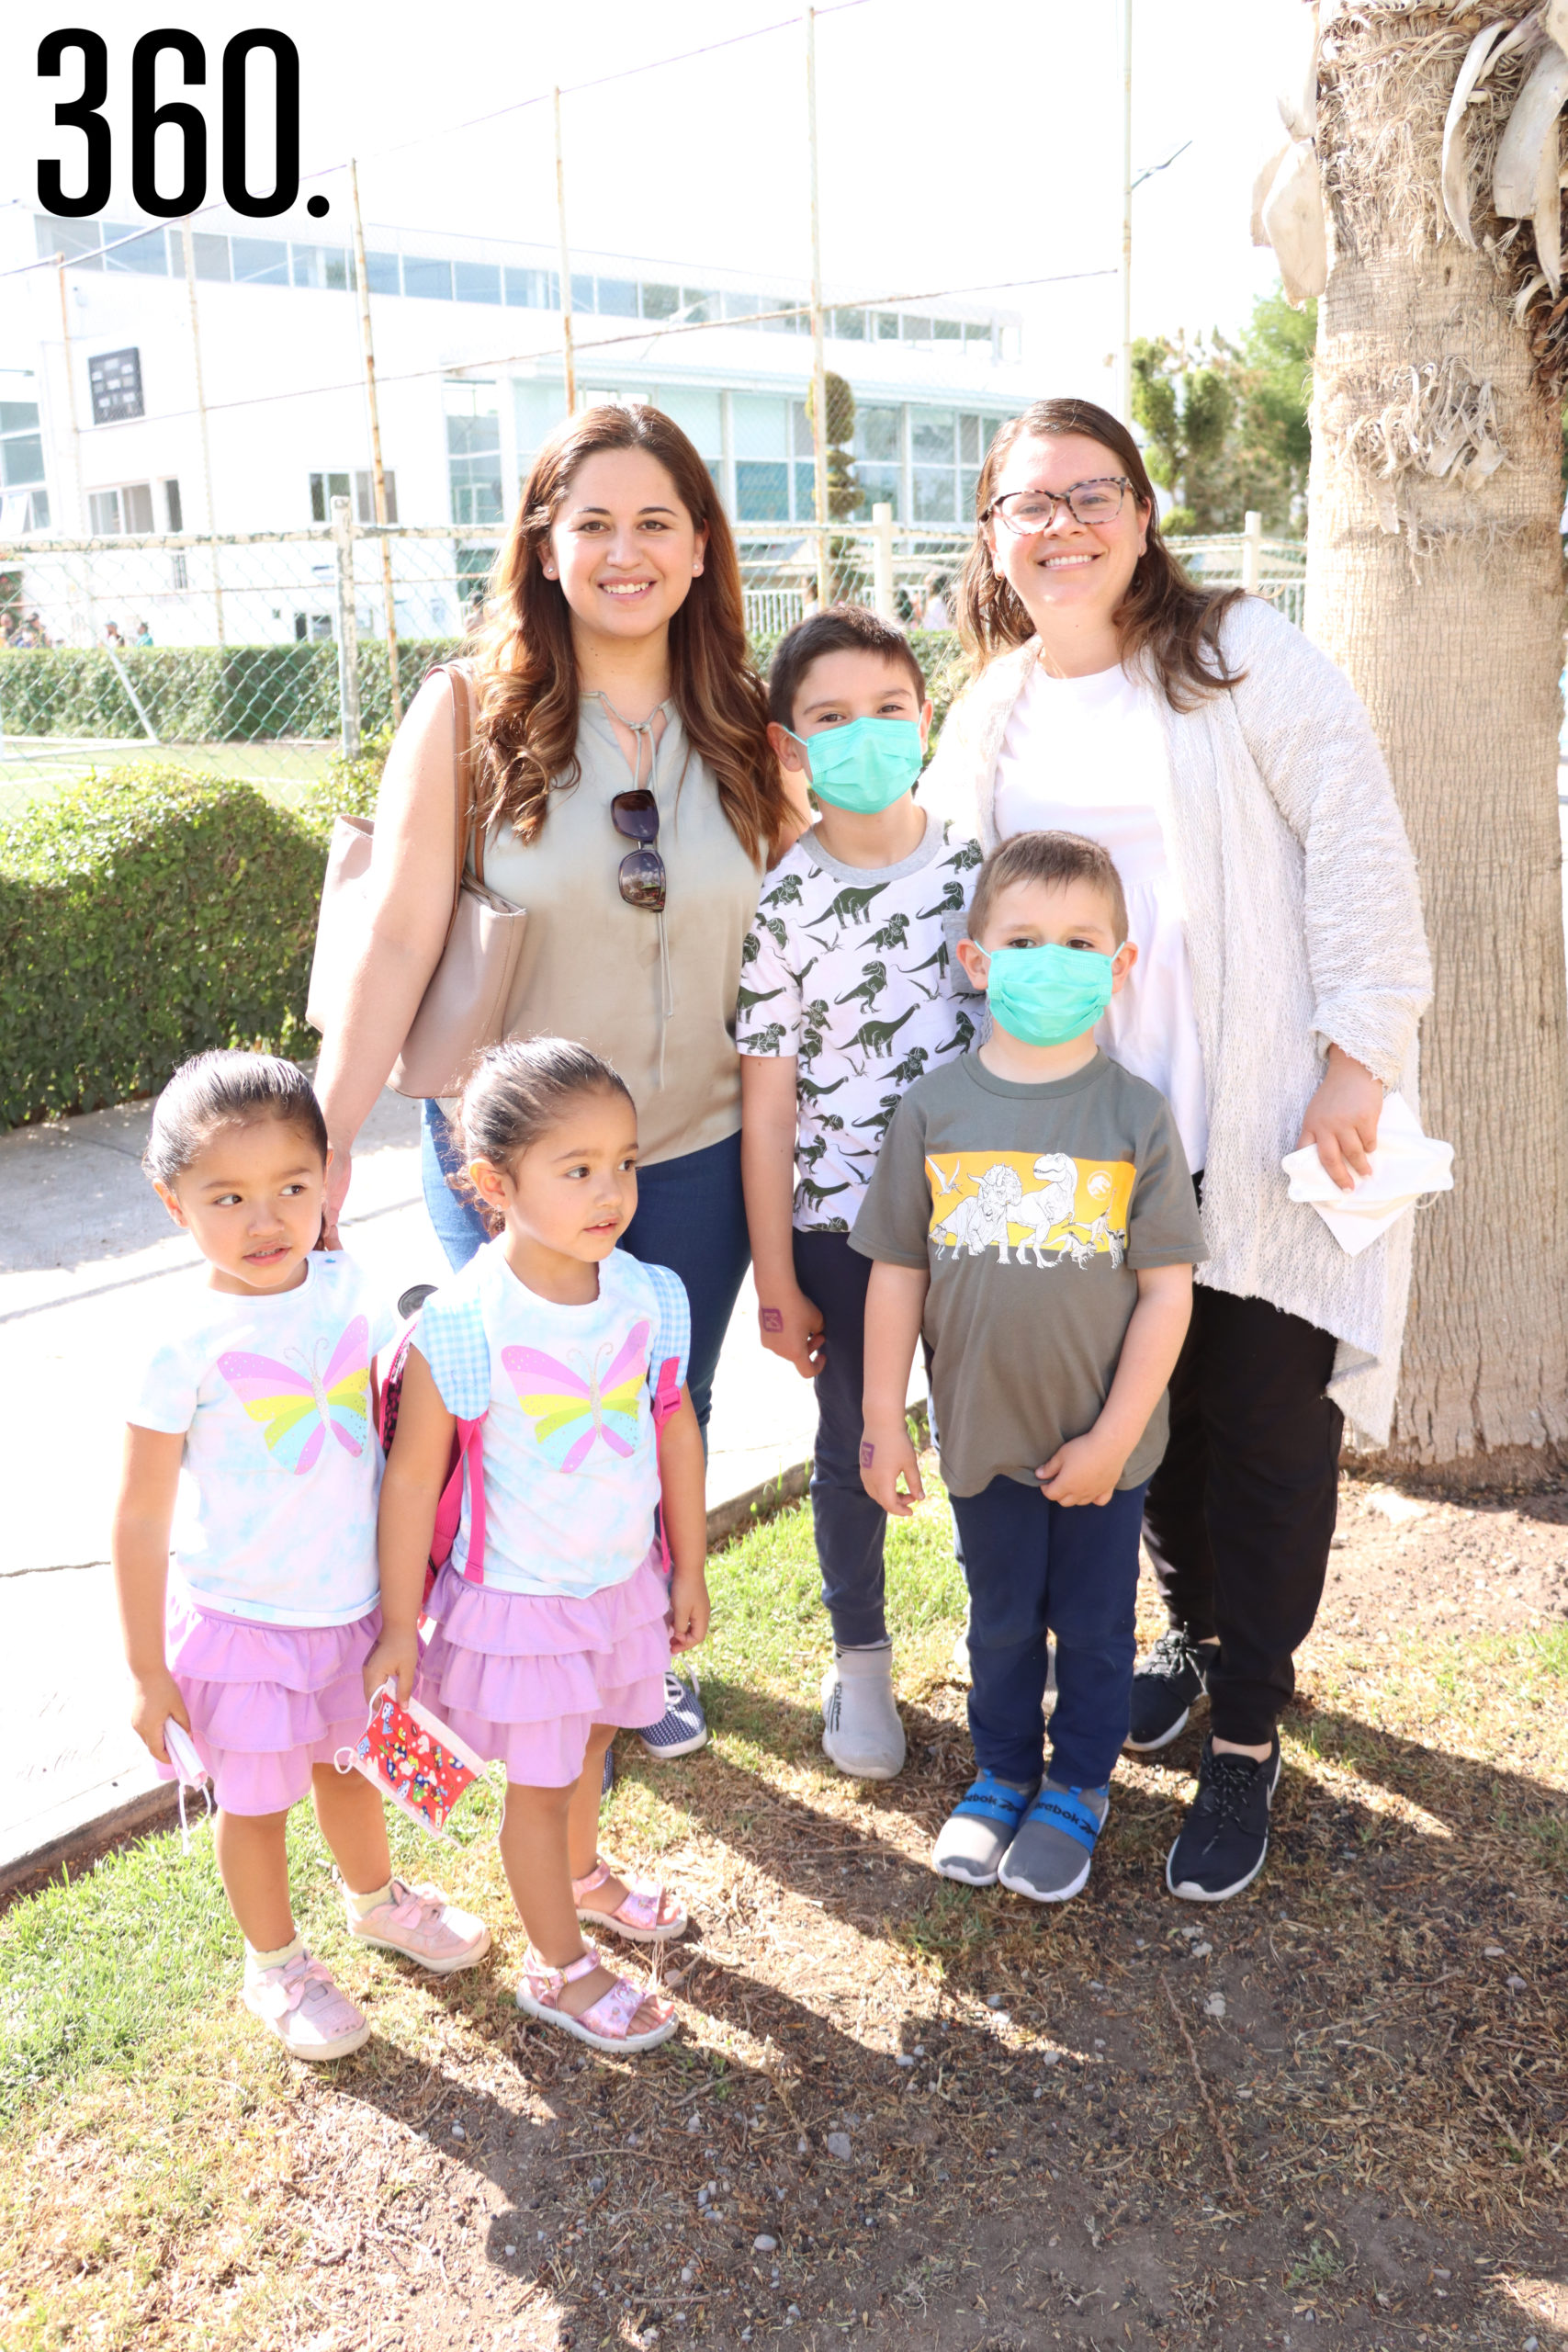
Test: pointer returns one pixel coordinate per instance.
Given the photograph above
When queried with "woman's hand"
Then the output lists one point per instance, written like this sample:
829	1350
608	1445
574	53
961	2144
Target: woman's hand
155	1699
1342	1119
791	1326
339	1175
688	1618
394	1660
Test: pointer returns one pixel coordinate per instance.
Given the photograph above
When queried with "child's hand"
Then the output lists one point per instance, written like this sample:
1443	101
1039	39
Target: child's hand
886	1456
154	1698
688	1618
792	1327
1085	1470
395	1658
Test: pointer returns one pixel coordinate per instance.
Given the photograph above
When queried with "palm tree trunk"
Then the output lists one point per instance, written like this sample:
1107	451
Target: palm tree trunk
1440	594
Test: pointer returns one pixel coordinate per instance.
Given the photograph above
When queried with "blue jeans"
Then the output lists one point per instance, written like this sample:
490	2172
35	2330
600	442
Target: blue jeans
1035	1566
848	1525
690	1216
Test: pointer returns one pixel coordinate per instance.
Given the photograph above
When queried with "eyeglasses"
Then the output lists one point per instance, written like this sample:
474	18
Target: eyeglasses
635	816
1027	511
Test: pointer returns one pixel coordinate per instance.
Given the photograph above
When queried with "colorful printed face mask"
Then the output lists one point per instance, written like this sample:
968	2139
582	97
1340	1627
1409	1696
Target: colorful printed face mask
1045	996
865	766
412	1758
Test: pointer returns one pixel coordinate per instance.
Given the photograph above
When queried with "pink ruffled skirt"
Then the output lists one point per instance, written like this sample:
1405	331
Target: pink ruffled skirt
266	1702
525	1677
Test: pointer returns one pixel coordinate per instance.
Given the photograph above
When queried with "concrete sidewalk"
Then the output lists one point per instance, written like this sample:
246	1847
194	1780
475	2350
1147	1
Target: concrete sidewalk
87	1259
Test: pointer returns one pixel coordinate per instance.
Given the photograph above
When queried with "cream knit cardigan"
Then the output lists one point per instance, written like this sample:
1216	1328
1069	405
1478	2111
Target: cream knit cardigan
1303	926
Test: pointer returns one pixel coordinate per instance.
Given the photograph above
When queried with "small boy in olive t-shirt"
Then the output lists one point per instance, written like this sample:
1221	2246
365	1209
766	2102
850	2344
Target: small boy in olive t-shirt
1033	1216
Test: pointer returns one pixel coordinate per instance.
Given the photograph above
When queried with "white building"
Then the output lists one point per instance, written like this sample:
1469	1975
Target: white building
100	433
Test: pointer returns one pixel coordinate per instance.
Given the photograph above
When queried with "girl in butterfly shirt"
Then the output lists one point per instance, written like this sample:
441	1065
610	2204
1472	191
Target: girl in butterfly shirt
250	1433
553	1623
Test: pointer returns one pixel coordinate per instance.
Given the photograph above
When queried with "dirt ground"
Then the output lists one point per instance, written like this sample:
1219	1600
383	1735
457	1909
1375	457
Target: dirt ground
960	2123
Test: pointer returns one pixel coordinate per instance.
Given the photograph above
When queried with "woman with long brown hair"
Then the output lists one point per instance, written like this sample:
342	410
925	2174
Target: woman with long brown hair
1232	772
629	803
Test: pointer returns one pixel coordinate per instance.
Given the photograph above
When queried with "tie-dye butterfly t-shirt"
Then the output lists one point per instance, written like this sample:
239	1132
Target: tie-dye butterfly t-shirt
282	1468
571	1467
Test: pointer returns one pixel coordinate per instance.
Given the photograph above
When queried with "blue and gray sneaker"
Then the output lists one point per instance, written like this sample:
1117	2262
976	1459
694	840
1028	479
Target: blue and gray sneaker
683	1728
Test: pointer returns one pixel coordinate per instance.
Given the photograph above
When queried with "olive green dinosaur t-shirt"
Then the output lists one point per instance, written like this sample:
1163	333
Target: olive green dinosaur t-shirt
1033	1208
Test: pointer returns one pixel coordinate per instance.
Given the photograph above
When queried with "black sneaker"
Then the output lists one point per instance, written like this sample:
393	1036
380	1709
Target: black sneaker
1165	1686
1224	1839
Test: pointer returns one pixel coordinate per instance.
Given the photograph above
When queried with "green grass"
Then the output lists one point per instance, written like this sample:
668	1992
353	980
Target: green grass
149	1934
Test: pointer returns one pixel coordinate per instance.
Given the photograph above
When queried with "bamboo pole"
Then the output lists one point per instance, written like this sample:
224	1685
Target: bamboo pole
71	400
569	359
818	360
377	470
188	249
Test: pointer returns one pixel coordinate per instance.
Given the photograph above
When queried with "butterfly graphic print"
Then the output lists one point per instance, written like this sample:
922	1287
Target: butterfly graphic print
297	1406
574	1408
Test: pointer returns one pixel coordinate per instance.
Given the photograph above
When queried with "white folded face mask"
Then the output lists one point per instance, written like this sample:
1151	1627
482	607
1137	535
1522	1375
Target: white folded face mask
180	1748
1405	1164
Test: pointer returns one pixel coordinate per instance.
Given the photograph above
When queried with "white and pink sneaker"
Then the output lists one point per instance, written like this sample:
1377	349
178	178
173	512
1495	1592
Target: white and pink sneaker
300	2003
419	1922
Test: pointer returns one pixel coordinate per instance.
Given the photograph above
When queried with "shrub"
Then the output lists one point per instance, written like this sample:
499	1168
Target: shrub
145	915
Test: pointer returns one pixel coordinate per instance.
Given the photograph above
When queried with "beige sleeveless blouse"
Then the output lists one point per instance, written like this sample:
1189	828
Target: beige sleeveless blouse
655	995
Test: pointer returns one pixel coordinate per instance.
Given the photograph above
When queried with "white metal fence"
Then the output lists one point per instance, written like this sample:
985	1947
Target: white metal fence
263	654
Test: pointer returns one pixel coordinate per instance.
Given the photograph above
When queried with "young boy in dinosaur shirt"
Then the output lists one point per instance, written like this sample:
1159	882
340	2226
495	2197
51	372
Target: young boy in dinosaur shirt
848	991
1033	1218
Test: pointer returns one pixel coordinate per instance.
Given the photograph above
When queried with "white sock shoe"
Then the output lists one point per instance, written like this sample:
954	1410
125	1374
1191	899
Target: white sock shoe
861	1730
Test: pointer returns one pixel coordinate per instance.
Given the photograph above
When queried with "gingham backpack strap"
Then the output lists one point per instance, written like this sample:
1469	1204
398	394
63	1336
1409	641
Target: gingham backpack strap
670	1346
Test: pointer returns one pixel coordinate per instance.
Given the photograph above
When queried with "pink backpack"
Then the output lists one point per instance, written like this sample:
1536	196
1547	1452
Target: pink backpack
467	1446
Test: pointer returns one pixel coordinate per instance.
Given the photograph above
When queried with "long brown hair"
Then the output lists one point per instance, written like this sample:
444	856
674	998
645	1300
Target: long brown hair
526	668
1163	615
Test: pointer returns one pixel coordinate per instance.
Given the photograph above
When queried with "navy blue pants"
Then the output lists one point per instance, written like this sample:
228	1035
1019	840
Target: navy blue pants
848	1525
690	1216
1034	1568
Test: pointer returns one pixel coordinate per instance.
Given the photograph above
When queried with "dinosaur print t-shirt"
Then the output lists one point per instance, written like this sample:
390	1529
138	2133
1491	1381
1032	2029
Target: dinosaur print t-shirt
1033	1208
281	1469
851	969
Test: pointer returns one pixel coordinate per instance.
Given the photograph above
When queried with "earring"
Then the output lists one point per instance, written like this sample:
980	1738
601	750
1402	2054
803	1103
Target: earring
550	572
696	571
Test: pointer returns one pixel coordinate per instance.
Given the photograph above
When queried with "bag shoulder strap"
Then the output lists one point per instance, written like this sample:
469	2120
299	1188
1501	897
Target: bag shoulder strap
464	787
669	1342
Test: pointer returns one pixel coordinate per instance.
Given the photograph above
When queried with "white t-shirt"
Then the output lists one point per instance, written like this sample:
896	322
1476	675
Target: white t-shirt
851	969
571	1463
281	1469
1088	755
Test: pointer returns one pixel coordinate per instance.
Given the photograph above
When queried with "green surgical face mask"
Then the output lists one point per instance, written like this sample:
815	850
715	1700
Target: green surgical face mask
865	766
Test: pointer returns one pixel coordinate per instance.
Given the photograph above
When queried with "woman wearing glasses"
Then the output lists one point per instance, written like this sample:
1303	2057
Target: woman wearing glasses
630	802
1230	770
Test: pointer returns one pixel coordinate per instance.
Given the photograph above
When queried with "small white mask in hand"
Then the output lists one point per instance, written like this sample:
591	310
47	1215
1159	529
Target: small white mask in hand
1406	1163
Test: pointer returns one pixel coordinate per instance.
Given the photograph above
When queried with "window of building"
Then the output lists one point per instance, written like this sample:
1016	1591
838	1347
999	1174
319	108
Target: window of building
618	298
477	282
537	409
115	378
746	306
660	301
948	329
210	254
365	494
473	453
583	297
21	445
146	254
116	512
324	488
431	280
259	261
887	326
173	512
761	429
848	325
805	464
78	241
381	274
323	265
879	456
22	510
532	290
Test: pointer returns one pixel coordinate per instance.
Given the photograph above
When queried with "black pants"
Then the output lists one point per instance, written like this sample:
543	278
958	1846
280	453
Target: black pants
1239	1514
848	1526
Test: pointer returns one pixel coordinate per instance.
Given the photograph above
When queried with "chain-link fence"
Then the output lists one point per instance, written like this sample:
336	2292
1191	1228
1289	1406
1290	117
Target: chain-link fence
264	655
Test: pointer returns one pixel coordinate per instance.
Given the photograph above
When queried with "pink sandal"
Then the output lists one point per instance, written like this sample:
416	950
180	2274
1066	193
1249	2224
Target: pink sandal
608	2024
636	1917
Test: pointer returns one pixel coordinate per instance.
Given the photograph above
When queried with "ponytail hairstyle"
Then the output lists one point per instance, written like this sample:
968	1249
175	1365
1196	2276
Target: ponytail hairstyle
520	1090
228	1090
527	669
1164	617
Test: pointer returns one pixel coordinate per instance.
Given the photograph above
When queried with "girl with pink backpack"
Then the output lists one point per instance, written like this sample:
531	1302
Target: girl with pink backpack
553	1367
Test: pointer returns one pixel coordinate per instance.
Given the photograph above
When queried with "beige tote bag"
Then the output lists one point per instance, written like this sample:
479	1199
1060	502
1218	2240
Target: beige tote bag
463	1010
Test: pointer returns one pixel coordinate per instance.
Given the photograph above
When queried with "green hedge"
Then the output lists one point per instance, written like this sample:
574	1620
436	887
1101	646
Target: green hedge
145	915
203	694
